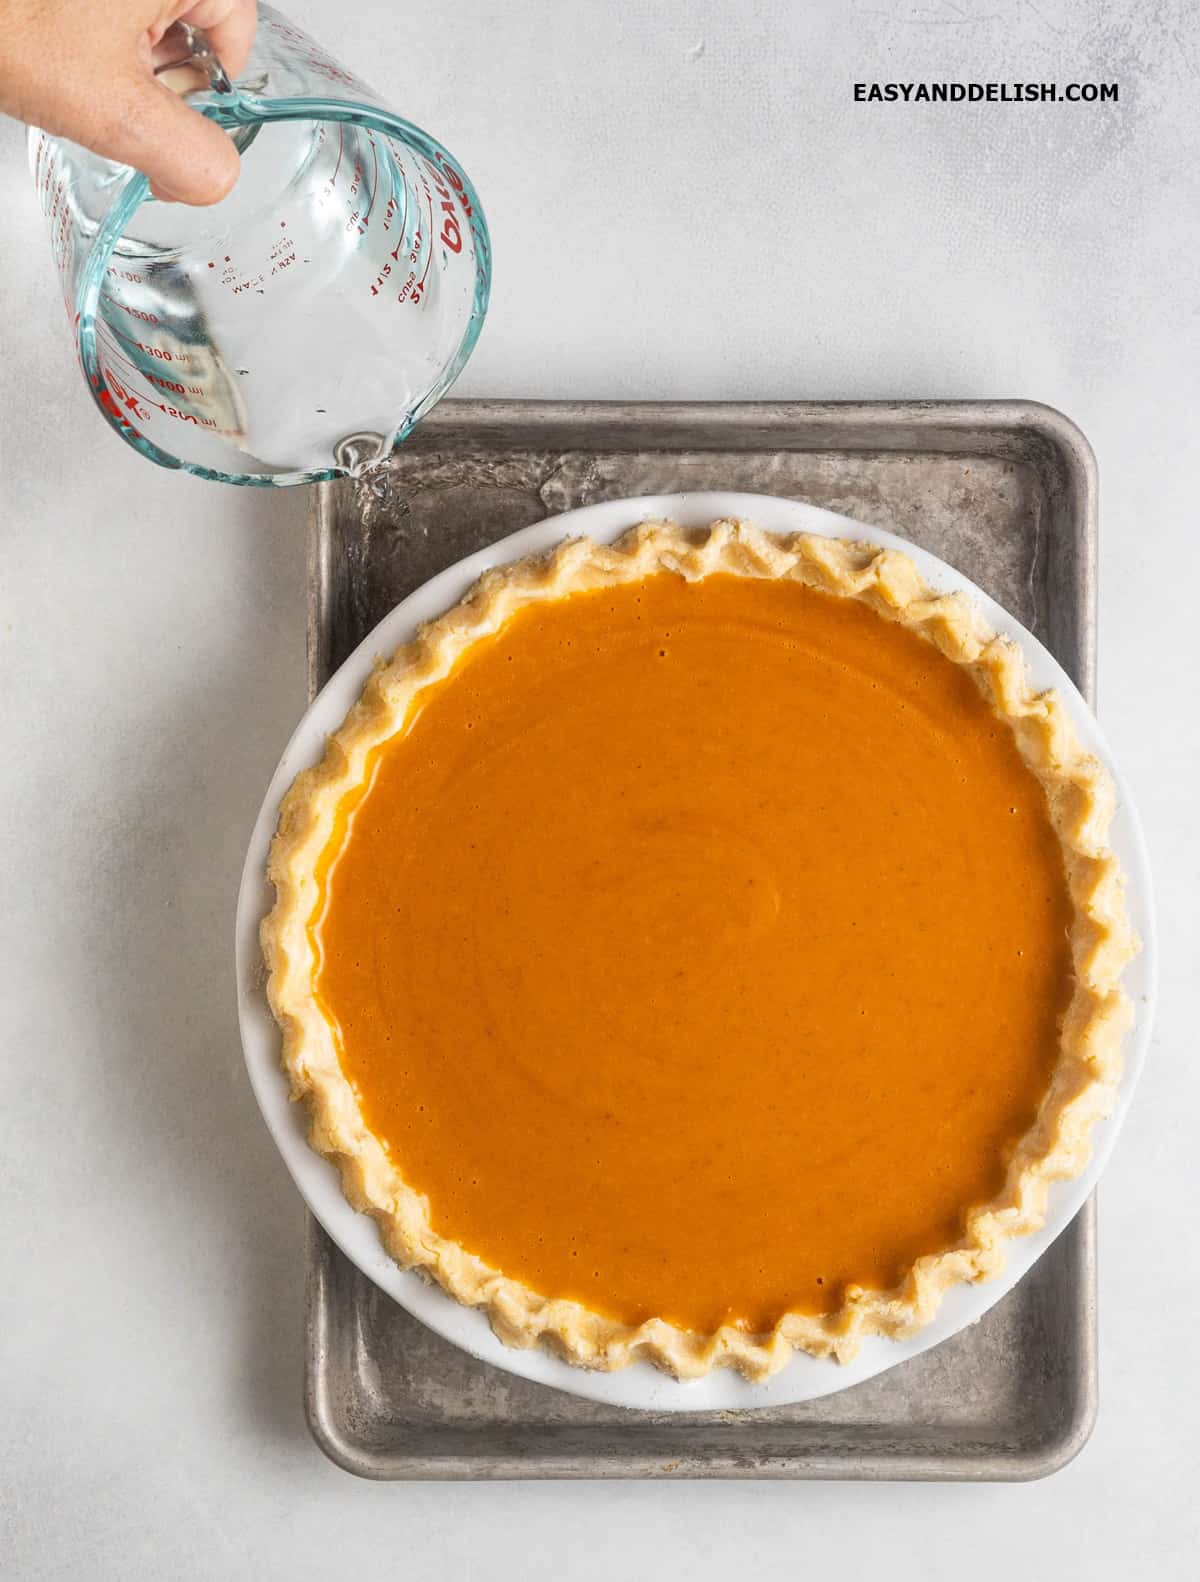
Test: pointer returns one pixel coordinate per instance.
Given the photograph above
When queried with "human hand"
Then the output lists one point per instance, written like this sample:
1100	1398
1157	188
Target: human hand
84	69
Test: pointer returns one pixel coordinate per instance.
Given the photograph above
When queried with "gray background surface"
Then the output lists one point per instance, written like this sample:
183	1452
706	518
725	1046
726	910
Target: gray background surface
685	202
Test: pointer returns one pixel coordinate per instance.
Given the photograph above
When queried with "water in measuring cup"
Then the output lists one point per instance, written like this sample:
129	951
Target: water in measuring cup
324	297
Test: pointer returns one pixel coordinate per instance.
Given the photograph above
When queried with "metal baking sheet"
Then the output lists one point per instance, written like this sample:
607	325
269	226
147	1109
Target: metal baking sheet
1006	492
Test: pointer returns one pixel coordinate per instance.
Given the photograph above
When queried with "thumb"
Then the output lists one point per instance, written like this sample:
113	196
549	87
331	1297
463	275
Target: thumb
187	157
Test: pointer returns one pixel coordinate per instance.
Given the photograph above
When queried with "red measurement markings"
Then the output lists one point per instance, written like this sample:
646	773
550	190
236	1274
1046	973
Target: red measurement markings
186	417
196	393
457	182
283	255
56	208
108	337
118	402
354	222
167	384
394	255
341	148
358	219
134	313
136	403
180	358
112	336
135	374
308	52
451	191
389	214
233	278
451	234
418	290
374	182
335	73
413	289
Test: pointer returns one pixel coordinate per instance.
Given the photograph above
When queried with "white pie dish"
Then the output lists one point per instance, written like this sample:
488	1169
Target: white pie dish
641	1385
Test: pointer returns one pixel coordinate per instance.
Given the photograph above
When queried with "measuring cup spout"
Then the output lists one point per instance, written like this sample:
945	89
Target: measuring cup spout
357	452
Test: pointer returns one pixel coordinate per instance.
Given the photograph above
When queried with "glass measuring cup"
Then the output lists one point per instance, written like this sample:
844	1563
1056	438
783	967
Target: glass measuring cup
302	326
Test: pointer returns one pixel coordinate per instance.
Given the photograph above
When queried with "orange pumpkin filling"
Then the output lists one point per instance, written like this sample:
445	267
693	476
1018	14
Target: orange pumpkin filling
698	949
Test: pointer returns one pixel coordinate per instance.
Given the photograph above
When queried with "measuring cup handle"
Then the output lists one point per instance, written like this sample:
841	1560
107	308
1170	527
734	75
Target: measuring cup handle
197	52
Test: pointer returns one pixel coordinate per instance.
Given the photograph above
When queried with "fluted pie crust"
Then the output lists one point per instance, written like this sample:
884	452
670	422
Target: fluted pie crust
1083	1084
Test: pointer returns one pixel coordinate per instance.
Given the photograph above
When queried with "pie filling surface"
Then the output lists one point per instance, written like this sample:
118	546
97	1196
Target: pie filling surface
697	949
